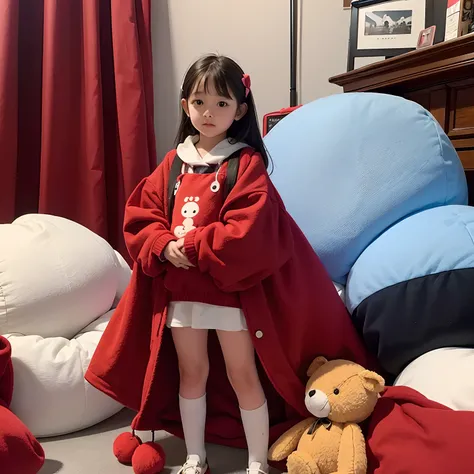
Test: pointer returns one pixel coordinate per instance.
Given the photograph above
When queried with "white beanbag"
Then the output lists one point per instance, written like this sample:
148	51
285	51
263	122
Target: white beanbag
51	396
444	375
341	290
56	276
124	278
58	285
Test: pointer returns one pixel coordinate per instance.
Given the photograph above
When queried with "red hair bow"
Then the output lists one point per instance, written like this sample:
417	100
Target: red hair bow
247	83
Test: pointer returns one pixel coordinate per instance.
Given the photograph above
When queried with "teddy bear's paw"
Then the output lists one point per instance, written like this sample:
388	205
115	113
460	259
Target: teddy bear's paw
301	463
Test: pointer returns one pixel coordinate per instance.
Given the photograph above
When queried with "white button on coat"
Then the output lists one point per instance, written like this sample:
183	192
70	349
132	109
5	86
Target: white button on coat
259	334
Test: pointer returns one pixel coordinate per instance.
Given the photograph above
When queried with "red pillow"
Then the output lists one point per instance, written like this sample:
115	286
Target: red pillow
20	452
6	372
410	434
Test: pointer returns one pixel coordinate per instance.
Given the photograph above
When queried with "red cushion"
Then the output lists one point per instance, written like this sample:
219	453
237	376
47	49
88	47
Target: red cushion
410	434
20	452
6	372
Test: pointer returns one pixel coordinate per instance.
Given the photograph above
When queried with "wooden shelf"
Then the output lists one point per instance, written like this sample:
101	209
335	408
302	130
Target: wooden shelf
434	63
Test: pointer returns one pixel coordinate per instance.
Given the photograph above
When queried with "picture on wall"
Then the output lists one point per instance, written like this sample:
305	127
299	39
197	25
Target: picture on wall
394	24
398	22
388	28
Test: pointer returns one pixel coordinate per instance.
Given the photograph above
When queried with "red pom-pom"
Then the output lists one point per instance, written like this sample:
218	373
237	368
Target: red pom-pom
124	446
149	458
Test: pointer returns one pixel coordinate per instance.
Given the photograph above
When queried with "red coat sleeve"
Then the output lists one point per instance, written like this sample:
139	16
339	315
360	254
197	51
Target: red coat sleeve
253	237
146	227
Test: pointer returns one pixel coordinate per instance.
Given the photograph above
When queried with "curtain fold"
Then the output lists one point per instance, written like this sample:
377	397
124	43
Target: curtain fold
76	109
8	107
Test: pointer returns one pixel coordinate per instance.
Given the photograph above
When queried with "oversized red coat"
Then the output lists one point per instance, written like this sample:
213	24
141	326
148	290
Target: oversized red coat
292	309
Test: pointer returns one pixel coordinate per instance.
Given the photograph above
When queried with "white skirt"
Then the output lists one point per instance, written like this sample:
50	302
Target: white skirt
183	314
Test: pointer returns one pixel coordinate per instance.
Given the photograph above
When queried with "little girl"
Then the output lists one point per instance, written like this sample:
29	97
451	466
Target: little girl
228	303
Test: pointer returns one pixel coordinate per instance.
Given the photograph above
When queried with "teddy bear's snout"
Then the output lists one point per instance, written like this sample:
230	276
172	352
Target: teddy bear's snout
317	403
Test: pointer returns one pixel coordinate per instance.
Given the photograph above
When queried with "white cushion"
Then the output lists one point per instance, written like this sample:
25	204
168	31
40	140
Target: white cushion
444	375
341	291
58	283
51	395
56	276
123	280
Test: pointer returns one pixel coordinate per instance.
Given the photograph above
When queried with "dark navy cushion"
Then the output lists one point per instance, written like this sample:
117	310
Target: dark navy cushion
412	290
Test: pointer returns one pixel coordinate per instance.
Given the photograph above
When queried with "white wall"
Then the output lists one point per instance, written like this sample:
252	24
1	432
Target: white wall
256	34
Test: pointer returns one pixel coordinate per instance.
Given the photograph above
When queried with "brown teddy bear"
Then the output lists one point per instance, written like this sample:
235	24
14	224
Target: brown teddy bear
340	394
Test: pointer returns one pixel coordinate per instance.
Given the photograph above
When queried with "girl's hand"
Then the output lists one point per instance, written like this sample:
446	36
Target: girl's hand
174	255
180	244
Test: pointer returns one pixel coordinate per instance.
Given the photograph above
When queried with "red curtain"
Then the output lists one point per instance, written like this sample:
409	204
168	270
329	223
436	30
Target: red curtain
76	109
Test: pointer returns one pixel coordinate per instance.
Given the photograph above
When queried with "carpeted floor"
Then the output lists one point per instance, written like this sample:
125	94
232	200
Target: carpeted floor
90	451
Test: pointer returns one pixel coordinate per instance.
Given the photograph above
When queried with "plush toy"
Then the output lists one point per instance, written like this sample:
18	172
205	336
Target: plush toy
340	394
145	458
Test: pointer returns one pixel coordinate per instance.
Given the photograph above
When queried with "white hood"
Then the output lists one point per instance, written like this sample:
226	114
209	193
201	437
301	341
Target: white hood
189	155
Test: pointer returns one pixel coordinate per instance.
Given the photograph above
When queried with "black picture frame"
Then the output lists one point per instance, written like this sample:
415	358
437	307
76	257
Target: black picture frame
435	15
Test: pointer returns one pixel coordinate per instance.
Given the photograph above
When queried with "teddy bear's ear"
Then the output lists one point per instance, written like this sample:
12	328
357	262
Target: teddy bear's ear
372	382
316	364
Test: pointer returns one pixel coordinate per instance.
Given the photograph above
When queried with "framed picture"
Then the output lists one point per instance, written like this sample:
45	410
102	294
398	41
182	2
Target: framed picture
347	4
426	37
389	28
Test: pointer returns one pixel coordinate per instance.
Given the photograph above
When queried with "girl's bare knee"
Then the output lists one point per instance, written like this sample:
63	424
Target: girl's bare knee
193	375
244	380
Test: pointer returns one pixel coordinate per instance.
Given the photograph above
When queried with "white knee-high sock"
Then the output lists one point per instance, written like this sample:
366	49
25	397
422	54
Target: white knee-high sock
256	427
193	417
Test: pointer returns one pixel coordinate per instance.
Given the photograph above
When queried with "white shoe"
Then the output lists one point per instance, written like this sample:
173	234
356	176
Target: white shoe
193	465
257	468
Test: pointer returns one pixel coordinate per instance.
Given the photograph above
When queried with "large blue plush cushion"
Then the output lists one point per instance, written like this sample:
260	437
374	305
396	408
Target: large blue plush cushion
351	165
431	242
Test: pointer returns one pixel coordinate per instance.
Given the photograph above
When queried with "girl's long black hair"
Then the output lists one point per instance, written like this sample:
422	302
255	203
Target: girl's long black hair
226	76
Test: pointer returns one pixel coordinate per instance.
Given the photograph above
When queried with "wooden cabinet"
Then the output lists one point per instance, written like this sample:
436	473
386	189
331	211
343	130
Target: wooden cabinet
440	78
